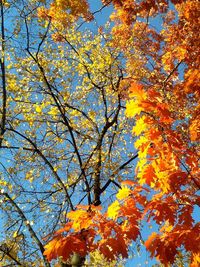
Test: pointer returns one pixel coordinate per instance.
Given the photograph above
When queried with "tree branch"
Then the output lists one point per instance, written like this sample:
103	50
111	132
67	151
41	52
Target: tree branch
116	171
29	227
38	151
3	72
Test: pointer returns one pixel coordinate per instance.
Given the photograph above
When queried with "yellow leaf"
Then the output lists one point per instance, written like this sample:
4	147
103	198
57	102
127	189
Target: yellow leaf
38	109
53	111
113	210
142	140
140	126
133	108
123	193
15	234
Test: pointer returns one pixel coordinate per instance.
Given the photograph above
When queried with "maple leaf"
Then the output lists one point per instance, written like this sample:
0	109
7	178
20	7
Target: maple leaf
162	210
136	90
148	173
123	193
80	219
140	126
111	247
51	248
66	246
113	210
132	108
191	238
105	228
161	248
149	242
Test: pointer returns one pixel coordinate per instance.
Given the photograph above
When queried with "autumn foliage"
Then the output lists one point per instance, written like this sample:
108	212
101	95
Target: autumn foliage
166	112
162	95
111	232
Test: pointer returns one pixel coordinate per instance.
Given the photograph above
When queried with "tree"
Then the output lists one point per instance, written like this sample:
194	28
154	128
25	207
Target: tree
74	102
